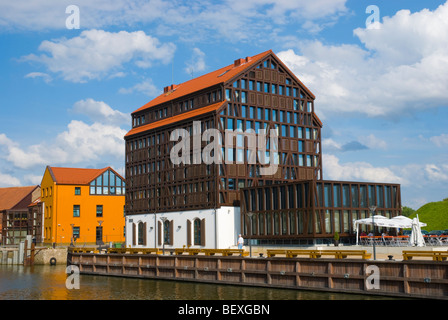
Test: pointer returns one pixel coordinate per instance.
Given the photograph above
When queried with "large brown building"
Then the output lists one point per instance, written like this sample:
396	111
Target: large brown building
239	116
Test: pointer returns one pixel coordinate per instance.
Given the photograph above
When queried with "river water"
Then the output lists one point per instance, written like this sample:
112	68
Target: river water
45	282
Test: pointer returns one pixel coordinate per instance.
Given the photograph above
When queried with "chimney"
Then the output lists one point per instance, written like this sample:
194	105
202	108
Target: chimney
169	88
238	62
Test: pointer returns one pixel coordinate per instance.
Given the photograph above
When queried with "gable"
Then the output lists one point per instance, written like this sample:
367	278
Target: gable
271	69
12	197
76	176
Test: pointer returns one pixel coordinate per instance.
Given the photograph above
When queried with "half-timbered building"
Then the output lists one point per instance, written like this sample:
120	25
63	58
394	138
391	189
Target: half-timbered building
193	150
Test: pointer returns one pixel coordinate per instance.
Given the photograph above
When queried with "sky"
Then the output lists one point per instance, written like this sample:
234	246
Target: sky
72	71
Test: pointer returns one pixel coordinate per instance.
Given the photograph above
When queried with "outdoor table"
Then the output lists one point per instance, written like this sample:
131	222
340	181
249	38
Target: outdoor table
433	240
385	240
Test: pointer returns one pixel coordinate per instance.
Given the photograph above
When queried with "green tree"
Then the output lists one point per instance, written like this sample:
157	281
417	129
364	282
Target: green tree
406	211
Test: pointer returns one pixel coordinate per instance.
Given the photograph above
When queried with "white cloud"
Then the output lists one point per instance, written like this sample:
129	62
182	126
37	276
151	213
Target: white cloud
85	143
402	67
81	143
437	173
7	180
372	142
46	77
99	111
146	87
357	171
196	63
23	159
95	54
236	20
440	141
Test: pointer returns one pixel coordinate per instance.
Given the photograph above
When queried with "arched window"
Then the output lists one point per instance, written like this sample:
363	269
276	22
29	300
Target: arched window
199	232
166	232
141	233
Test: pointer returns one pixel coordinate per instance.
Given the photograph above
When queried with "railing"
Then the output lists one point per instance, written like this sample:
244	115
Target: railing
401	241
337	254
178	251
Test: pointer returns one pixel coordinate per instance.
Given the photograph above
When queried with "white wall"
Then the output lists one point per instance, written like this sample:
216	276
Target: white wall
222	227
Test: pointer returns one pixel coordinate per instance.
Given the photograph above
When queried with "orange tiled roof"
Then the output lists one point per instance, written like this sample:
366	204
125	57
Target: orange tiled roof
77	176
176	118
205	81
10	197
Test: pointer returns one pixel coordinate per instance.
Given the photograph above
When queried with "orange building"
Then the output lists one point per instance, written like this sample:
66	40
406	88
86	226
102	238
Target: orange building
82	206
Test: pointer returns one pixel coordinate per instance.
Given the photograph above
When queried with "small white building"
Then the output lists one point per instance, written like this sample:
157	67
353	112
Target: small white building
208	228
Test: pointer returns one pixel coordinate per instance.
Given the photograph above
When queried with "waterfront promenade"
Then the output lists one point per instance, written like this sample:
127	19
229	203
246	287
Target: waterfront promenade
44	255
323	270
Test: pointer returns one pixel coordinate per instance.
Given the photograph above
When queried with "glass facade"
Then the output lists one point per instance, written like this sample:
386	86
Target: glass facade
314	208
108	183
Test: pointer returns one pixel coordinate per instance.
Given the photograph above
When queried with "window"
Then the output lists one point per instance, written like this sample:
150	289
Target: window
228	94
99	211
108	183
243	97
251	85
141	233
197	232
281	90
244	111
266	87
346	195
166	232
76	210
76	233
77	191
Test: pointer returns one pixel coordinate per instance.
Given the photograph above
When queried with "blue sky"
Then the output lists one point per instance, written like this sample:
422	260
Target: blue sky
66	94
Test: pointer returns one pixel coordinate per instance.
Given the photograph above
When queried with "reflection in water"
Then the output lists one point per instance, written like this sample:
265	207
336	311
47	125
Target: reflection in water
48	283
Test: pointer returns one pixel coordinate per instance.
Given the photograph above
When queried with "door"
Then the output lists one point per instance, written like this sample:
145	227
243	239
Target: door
99	235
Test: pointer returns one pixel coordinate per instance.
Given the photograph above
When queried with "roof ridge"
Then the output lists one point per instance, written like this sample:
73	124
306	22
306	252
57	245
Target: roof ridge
204	81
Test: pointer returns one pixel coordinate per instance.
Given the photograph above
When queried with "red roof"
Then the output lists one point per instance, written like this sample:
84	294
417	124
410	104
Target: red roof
76	176
208	80
205	81
10	197
176	118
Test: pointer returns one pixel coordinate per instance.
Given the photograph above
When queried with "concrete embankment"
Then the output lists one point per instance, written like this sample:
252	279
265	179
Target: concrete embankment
13	256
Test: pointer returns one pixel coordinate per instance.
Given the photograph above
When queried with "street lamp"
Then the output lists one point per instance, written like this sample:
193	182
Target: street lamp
372	213
250	215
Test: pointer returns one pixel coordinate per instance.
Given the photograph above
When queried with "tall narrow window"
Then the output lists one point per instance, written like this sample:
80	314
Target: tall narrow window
77	191
166	232
76	210
76	233
197	232
141	233
99	211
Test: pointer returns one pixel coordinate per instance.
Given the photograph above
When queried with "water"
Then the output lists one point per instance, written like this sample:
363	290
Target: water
44	282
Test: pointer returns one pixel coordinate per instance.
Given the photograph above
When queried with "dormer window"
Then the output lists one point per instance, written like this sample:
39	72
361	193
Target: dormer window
108	184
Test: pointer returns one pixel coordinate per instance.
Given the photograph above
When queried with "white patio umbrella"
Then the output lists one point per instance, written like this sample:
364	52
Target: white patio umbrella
378	220
416	238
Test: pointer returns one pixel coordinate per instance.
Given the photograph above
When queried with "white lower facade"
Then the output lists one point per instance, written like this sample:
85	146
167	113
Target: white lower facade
209	229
